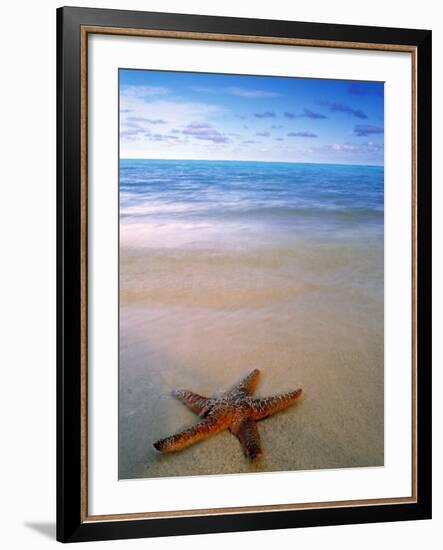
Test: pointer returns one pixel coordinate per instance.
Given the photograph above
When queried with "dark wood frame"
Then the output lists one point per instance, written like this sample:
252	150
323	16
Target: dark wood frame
73	521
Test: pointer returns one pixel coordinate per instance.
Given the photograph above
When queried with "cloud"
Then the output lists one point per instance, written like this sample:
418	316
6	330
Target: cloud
312	114
371	146
245	92
132	131
266	114
131	134
146	120
276	127
235	90
205	132
133	128
367	130
341	108
367	147
199	125
161	137
302	134
205	89
263	134
138	132
307	113
279	139
142	92
247	141
156	112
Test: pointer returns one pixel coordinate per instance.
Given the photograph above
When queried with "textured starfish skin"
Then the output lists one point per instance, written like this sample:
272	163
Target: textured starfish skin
235	410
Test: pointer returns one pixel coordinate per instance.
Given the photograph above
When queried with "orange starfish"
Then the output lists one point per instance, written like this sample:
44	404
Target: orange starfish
235	410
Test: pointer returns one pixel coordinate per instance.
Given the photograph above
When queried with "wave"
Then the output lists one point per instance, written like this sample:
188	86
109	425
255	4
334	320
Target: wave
181	211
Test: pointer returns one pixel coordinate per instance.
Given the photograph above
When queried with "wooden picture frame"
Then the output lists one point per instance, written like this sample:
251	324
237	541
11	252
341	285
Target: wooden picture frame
74	25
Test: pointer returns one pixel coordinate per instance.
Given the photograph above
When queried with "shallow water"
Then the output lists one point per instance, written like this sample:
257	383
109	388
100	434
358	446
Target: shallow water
225	267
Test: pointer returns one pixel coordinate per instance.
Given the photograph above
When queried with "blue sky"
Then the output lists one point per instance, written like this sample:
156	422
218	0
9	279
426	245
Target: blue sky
179	115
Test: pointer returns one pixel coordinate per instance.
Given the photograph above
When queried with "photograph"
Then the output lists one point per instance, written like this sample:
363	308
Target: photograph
217	273
251	274
244	275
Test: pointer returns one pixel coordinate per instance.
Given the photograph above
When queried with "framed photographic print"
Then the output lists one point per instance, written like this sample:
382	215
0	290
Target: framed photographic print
244	274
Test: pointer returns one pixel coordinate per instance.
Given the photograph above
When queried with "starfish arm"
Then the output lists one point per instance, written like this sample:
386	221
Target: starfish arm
204	429
261	408
197	403
247	434
247	384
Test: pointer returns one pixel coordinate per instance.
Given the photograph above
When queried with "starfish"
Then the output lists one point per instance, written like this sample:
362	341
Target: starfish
235	410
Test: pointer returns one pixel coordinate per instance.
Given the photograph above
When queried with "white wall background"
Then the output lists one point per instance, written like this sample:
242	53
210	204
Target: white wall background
27	274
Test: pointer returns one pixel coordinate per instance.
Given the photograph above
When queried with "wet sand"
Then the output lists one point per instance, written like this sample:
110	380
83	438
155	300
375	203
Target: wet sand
200	315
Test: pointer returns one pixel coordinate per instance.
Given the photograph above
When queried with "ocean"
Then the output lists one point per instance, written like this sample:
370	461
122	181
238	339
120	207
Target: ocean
227	266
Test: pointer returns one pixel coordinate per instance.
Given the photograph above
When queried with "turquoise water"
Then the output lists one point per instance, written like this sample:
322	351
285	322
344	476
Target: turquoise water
302	197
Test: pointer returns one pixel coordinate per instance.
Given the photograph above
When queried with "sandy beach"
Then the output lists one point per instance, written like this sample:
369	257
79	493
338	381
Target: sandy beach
202	305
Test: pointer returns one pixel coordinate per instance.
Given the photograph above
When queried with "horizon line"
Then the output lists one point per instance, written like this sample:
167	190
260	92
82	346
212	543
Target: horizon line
251	160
